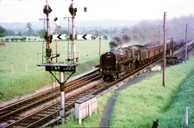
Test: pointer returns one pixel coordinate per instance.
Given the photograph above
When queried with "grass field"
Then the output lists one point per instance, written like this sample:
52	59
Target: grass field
18	54
148	100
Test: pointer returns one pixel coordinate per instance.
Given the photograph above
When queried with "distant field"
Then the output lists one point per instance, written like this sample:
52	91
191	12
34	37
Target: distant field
19	54
21	59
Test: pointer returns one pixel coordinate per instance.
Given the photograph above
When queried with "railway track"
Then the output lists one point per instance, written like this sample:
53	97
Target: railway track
12	115
22	108
181	54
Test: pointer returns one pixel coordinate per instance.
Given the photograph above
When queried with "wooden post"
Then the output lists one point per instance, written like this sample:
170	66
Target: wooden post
186	43
90	109
12	69
38	63
26	66
164	65
186	116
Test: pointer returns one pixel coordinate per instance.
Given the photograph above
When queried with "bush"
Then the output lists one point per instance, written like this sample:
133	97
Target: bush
7	39
105	37
23	39
93	37
12	39
16	39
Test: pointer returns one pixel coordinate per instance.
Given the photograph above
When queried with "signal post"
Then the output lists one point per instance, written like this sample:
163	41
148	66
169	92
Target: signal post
62	67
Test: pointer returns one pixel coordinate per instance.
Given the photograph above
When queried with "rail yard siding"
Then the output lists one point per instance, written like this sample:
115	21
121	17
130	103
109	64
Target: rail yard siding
148	100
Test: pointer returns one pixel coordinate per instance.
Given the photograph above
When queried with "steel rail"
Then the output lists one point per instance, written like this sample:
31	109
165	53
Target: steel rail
50	106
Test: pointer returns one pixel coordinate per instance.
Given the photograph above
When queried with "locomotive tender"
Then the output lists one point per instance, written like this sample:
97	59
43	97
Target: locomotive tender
116	63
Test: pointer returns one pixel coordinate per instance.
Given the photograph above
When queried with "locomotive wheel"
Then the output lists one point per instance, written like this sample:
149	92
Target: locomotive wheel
130	68
133	66
115	77
104	78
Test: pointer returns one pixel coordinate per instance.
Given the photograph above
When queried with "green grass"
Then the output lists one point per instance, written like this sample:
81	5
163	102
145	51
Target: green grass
19	85
92	121
175	113
19	53
148	100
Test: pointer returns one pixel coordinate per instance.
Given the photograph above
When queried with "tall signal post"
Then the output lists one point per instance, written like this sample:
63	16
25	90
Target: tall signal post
73	11
47	10
62	66
164	57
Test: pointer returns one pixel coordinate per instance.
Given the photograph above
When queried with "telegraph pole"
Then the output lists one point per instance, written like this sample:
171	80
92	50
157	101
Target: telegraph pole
186	43
164	50
100	41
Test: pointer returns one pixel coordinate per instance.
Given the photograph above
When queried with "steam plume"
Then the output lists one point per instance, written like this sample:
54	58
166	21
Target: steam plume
152	31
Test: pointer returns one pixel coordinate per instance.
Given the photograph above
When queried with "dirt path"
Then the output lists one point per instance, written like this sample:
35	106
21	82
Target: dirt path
109	106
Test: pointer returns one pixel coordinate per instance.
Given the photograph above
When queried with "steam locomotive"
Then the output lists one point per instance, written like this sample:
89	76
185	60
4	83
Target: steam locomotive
116	63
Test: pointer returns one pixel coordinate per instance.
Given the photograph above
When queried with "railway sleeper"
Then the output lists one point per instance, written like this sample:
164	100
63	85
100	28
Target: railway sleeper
29	121
37	117
15	117
51	111
21	125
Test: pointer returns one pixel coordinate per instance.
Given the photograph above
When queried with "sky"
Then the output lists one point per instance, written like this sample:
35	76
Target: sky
32	10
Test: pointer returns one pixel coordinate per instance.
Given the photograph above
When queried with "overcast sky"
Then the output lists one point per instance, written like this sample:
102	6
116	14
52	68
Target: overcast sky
32	10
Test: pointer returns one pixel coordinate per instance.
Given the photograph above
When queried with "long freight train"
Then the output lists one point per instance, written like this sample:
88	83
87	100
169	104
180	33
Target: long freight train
116	63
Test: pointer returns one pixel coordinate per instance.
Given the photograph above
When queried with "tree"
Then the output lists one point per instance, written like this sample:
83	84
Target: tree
96	33
60	31
93	37
105	37
9	32
23	39
30	30
42	33
2	31
16	39
19	33
7	39
12	39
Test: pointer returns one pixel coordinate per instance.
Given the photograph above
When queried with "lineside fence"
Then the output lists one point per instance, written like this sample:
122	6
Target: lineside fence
8	70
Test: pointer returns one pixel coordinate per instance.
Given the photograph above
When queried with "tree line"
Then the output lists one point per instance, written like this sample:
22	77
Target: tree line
40	33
